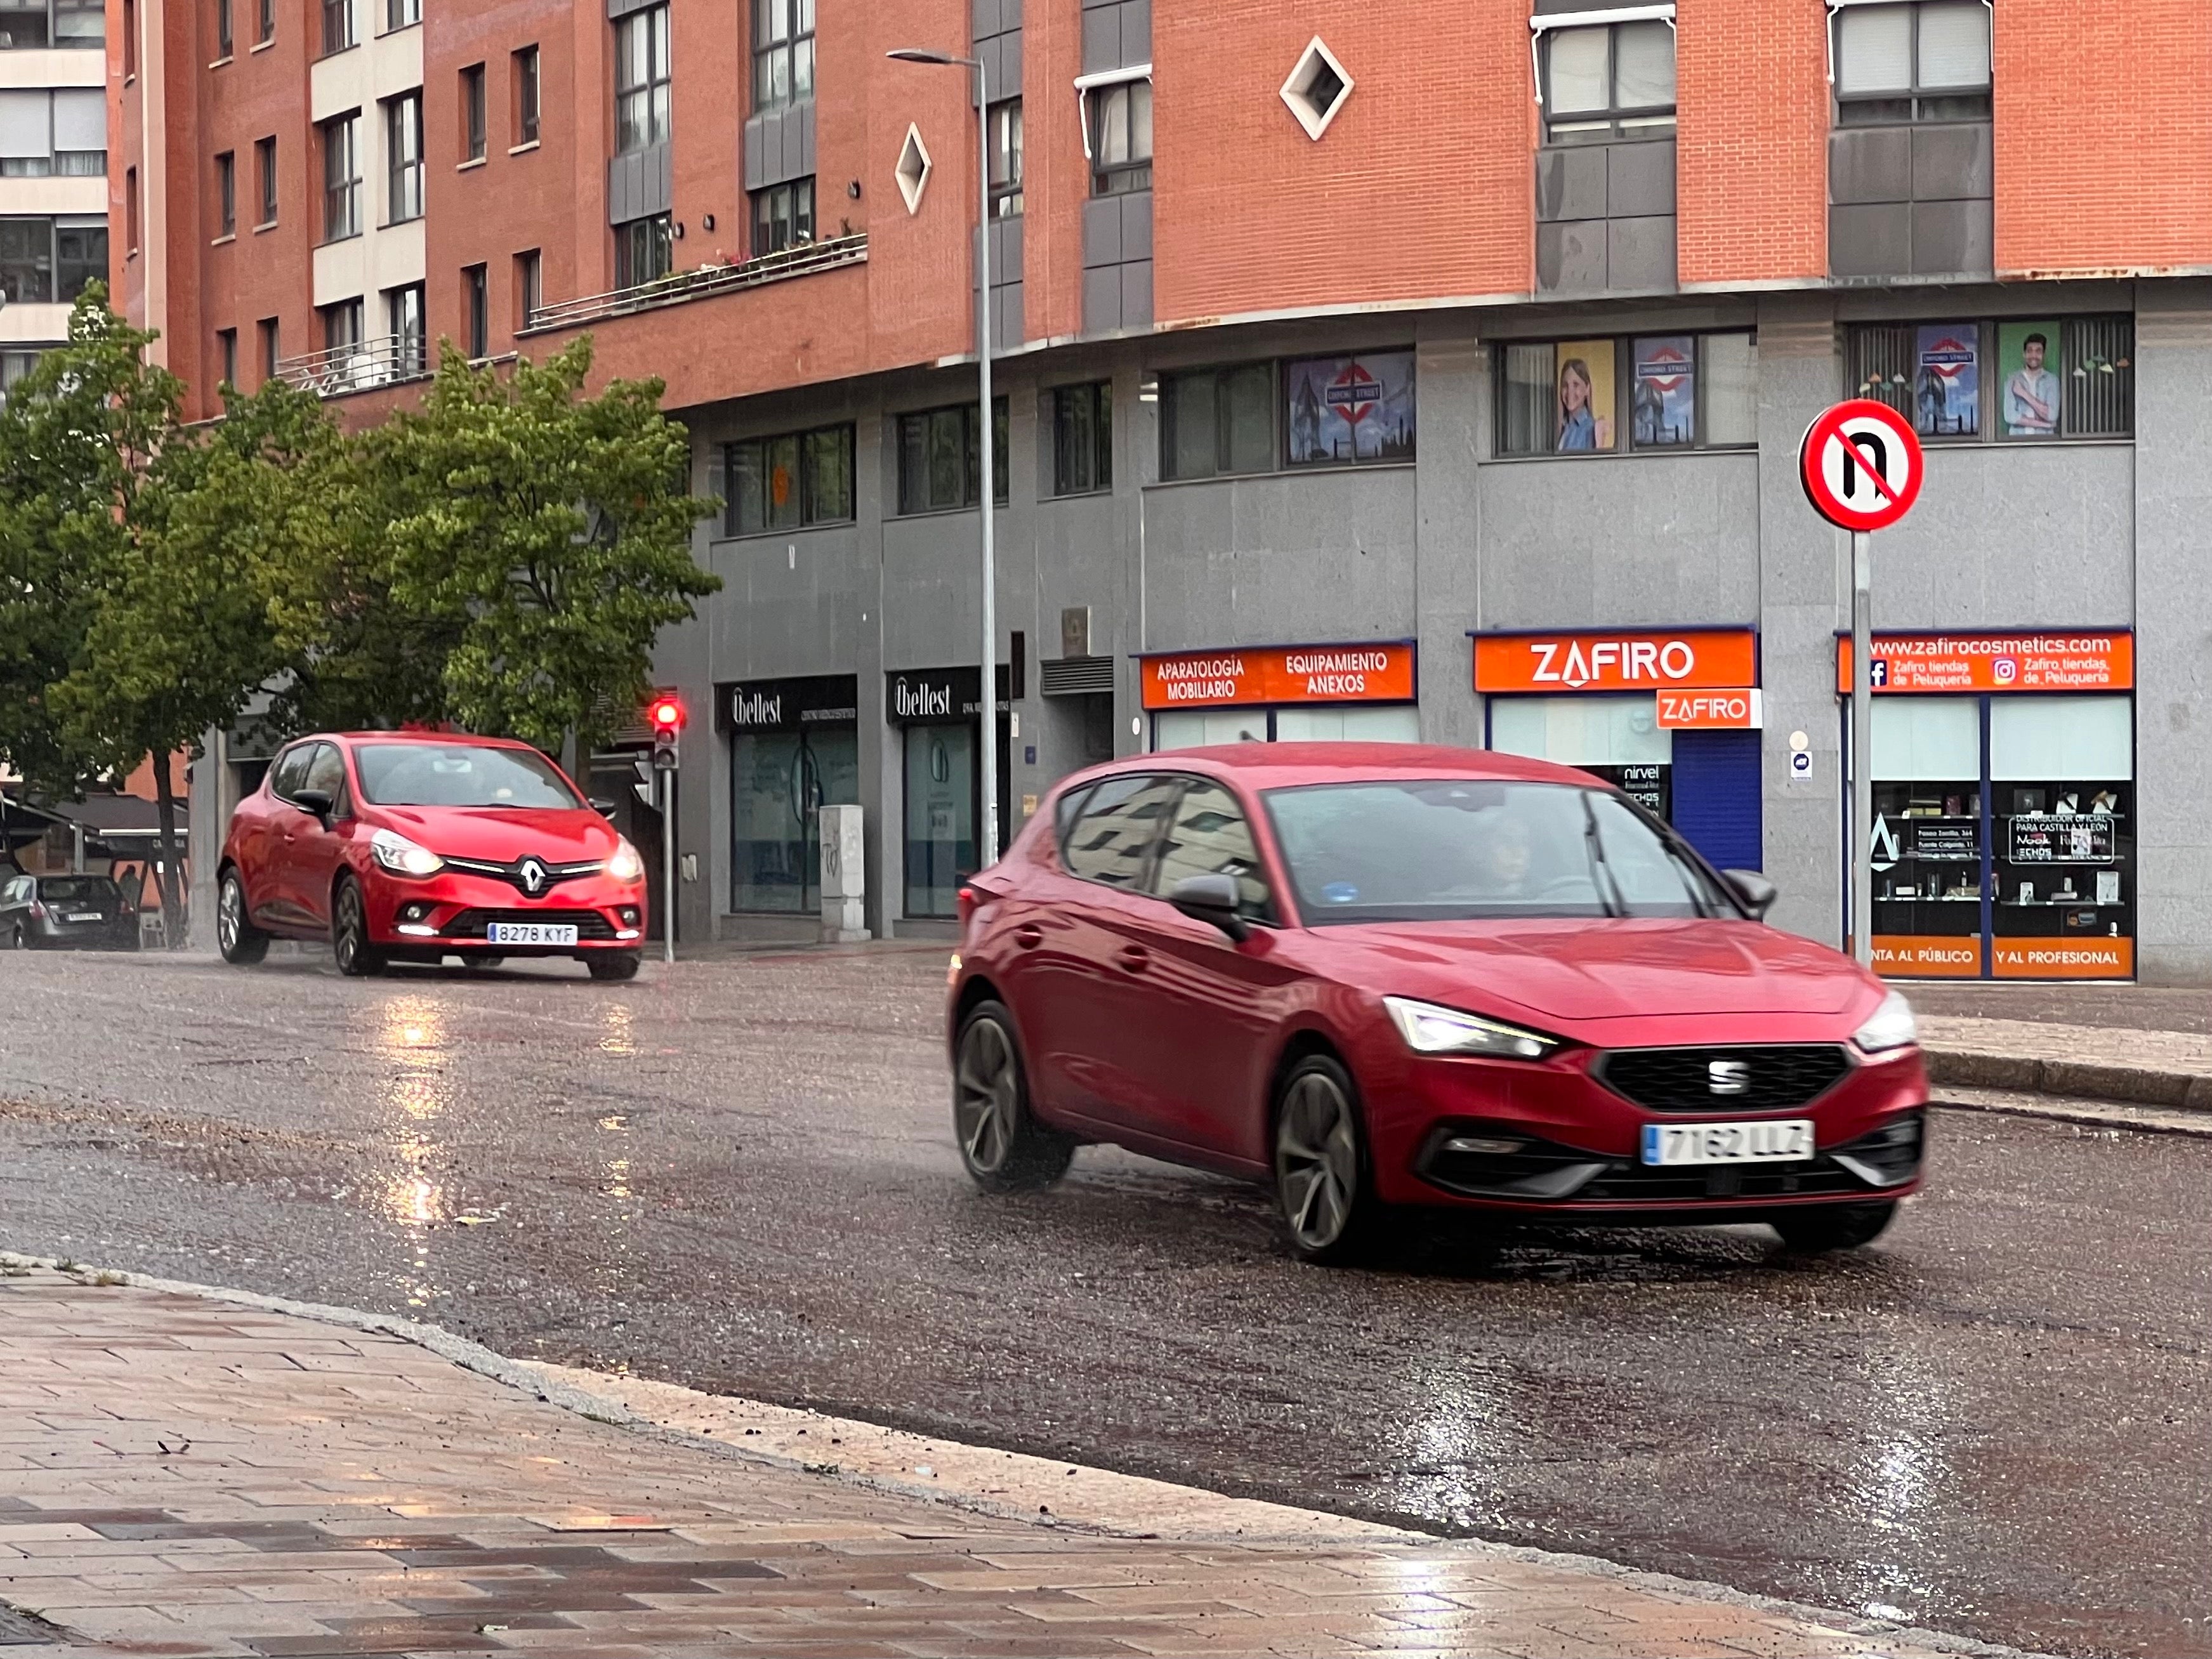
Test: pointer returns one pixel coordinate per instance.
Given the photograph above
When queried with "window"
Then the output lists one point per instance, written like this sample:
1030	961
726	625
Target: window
37	23
225	194
131	207
80	256
264	158
1613	81
645	251
265	26
529	285
130	38
472	113
341	330
1122	138
404	322
2059	377
783	53
1082	438
226	351
1218	420
402	154
1111	840
476	301
1209	835
14	366
402	13
1650	391
787	483
941	468
1343	411
271	346
525	77
341	178
49	261
45	135
337	26
783	216
1005	158
1928	61
642	80
222	28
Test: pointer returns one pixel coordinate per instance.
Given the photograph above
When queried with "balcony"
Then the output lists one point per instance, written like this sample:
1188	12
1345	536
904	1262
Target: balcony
681	287
336	370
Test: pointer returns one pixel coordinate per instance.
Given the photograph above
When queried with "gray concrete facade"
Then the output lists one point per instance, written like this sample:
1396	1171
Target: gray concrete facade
2110	533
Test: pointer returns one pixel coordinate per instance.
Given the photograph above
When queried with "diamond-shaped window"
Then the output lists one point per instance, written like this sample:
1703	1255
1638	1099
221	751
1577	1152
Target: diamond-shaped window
913	169
1317	88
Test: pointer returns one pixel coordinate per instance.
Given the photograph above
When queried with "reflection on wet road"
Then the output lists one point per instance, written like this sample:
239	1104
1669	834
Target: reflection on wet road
739	1176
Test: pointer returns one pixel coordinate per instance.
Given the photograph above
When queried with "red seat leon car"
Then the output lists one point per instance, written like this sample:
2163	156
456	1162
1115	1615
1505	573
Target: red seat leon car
408	846
1381	977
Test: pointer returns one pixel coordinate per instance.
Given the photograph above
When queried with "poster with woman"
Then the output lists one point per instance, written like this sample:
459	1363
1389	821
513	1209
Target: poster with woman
2033	396
1586	397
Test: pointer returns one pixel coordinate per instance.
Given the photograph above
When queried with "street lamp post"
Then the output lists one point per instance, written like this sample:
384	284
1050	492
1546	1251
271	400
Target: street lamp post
984	440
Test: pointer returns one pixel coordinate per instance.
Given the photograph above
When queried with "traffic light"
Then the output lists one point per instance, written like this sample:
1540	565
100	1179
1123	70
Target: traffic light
667	713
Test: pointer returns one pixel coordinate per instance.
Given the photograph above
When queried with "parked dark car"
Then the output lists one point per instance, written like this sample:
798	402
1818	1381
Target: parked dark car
69	912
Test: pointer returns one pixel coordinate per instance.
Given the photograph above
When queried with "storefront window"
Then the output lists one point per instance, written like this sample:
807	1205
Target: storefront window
1616	738
941	817
778	780
2062	772
1927	838
1193	728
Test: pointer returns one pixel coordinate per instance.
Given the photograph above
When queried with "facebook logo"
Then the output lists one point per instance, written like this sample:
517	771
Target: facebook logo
1878	672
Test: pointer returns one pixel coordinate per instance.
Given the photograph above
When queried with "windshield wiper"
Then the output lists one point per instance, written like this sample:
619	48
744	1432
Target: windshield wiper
1608	892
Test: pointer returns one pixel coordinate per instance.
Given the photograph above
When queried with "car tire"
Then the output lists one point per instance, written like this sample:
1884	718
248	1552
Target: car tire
240	942
357	958
1004	1147
1834	1226
621	965
15	940
1323	1178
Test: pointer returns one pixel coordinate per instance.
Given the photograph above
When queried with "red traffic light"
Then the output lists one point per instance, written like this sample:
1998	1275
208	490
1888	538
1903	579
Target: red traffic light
667	715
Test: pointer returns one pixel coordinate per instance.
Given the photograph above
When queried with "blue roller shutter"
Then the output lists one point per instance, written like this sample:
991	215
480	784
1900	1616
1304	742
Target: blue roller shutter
1717	797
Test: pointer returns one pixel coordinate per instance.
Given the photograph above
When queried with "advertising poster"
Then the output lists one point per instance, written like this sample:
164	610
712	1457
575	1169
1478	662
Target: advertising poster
1586	400
2032	394
1666	390
1947	380
1351	409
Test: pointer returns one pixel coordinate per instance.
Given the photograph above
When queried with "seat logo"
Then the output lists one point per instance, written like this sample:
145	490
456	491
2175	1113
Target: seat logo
533	877
1728	1077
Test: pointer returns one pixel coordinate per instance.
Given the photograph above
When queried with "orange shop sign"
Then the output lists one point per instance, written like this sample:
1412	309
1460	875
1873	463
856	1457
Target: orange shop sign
2088	661
1906	955
2086	957
1280	674
1692	658
1736	709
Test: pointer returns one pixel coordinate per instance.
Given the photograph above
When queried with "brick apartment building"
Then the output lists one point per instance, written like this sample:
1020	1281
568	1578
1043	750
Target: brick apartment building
53	171
1421	370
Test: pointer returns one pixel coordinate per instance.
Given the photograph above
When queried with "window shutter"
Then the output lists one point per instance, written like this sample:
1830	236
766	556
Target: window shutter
1954	43
1644	66
79	118
1577	71
1876	49
24	124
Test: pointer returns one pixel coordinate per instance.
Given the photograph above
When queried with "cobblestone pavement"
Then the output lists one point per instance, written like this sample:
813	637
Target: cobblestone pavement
186	1476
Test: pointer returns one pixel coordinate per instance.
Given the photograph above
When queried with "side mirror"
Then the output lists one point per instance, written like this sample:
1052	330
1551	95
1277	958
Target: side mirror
1212	900
1757	892
606	808
317	801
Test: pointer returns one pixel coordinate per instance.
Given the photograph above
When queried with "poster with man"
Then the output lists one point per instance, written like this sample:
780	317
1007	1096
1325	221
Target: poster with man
2033	398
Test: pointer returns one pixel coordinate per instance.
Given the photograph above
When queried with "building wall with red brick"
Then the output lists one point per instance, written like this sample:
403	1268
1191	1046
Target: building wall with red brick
1751	142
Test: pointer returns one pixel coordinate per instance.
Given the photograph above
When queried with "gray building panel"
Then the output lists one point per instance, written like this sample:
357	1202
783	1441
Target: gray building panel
1952	236
779	145
1605	217
1872	239
1639	179
1101	230
1911	201
640	184
1870	164
1639	253
1951	163
1571	257
1570	183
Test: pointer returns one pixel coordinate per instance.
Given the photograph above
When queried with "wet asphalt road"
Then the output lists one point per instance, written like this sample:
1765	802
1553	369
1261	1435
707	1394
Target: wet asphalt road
738	1175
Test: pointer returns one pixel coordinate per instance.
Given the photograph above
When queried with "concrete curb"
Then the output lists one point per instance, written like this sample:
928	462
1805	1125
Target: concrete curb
529	1379
2073	1080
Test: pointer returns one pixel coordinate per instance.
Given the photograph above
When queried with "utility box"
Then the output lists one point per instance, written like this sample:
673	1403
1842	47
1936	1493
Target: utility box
844	875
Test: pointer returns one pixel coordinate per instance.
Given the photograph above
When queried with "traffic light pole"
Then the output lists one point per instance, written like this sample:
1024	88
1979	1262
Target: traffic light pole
668	865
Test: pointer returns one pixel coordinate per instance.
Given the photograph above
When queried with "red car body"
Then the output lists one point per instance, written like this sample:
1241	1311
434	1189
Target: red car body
1144	1026
290	865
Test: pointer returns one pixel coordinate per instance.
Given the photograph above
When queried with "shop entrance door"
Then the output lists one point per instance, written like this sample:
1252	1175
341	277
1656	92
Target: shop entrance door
778	782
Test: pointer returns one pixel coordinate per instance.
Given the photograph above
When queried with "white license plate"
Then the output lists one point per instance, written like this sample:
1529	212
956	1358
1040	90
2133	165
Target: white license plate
1771	1141
530	933
86	916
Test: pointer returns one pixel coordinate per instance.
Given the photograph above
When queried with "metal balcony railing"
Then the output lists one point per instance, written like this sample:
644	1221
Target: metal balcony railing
384	361
678	287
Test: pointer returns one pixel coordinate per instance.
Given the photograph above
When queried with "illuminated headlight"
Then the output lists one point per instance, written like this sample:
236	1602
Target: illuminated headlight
626	865
395	853
1890	1026
1429	1030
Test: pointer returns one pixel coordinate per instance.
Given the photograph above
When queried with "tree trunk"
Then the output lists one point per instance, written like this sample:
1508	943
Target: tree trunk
169	877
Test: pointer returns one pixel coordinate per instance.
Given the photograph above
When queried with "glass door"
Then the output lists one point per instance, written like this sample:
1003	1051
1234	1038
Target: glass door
1928	838
941	817
2062	777
777	781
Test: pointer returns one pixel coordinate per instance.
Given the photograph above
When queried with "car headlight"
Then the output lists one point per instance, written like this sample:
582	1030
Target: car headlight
1890	1026
1430	1030
395	853
626	865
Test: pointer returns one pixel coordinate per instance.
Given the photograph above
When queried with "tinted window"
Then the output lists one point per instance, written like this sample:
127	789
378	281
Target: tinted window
80	889
1114	834
326	771
289	775
456	774
1210	836
1454	849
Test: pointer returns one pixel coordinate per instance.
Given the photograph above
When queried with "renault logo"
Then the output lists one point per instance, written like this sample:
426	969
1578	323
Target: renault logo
533	881
1728	1077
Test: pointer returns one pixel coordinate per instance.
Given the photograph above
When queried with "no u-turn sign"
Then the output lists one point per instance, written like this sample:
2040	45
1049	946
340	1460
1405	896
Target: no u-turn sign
1861	464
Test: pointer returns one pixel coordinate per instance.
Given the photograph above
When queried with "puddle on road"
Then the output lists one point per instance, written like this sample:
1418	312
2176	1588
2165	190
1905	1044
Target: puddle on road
410	1038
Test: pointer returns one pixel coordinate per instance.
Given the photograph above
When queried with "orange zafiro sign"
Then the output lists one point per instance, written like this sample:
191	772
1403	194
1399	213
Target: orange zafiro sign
1693	658
2084	958
1736	709
1280	674
2089	660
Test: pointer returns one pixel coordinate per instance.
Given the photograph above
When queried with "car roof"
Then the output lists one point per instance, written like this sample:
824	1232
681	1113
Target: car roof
1282	765
450	739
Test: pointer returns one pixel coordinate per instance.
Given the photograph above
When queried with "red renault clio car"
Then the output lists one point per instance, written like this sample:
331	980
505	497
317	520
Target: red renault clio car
412	847
1380	975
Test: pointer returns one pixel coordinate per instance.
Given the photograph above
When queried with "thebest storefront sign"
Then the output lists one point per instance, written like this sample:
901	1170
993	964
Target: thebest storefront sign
1688	659
1280	674
2086	661
1733	710
786	705
914	696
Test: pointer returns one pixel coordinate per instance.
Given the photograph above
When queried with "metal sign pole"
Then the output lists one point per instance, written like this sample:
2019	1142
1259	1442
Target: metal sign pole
1861	748
668	866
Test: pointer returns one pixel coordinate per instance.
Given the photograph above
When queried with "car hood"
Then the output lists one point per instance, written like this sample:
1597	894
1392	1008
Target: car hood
557	835
1563	970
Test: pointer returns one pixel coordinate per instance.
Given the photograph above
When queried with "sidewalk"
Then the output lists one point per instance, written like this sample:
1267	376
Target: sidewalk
2144	1052
183	1475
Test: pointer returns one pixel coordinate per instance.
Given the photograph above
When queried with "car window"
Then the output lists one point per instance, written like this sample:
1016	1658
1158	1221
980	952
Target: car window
459	774
1064	810
289	775
14	891
1210	836
79	889
1113	836
327	772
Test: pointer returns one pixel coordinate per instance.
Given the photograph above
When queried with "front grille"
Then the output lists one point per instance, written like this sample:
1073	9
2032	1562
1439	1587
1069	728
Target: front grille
474	924
1642	1183
1760	1078
549	875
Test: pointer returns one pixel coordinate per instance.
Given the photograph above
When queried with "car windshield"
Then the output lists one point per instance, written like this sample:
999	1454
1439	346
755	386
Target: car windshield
1453	849
457	774
80	889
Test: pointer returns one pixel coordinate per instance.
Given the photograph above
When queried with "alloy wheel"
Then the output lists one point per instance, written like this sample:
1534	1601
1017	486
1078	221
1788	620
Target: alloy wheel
985	1106
352	926
229	915
1316	1161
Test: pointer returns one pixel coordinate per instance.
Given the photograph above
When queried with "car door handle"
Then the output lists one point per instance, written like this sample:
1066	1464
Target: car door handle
1134	957
1029	936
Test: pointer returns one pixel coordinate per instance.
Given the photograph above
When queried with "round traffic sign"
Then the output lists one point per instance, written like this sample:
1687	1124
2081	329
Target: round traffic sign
1861	464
